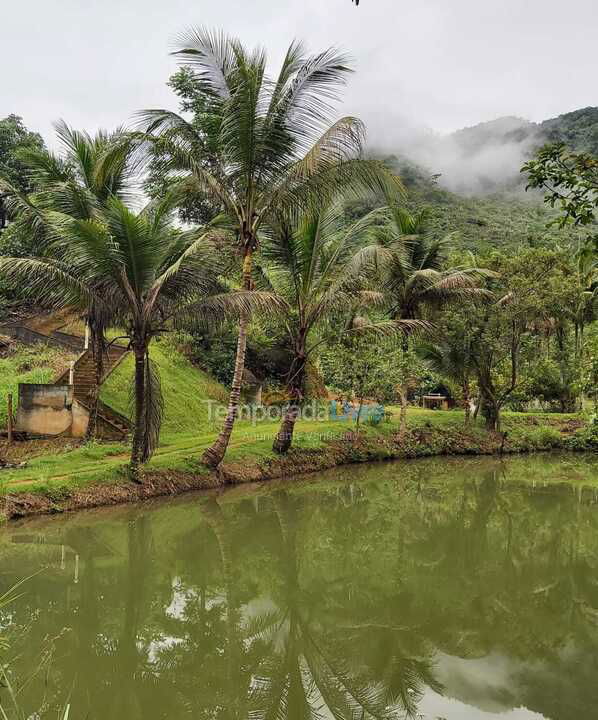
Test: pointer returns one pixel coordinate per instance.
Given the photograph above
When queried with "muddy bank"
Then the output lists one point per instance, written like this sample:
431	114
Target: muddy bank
349	449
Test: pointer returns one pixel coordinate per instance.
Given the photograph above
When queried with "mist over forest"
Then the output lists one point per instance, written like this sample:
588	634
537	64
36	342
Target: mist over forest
486	158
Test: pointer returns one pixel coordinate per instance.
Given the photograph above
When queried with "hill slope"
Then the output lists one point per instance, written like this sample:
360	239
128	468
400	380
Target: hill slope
472	184
185	389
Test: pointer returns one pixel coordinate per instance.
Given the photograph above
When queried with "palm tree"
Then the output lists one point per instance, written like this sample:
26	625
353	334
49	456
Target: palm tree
147	269
78	182
261	145
412	267
311	263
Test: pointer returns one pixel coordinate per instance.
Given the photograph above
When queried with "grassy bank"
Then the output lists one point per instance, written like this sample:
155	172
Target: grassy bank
96	474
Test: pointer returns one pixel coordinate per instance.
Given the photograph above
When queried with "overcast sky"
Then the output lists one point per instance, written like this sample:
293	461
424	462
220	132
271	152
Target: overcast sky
443	64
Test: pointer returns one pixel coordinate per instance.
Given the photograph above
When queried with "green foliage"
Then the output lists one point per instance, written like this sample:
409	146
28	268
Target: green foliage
185	388
15	138
570	181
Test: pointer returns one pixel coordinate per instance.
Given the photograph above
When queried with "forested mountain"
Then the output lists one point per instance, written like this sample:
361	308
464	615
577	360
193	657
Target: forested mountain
472	183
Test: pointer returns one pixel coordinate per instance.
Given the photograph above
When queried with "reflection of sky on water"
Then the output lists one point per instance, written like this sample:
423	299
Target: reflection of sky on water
475	689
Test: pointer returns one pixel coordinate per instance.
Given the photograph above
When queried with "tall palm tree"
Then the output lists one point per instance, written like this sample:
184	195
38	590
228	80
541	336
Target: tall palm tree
311	262
77	182
261	145
149	270
412	267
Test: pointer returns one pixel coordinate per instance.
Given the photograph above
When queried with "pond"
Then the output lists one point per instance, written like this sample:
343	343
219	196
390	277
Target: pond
445	588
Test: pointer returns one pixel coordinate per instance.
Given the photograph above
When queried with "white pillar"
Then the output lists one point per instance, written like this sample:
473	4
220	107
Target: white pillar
87	336
72	373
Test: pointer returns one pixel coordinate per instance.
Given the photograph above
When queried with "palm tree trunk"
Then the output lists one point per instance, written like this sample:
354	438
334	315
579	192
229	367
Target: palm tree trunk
403	415
137	447
284	437
214	455
97	351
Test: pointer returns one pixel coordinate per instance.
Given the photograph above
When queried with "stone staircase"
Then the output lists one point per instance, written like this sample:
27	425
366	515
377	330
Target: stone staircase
84	380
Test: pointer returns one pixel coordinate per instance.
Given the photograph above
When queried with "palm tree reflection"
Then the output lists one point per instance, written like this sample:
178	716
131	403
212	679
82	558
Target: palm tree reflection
310	666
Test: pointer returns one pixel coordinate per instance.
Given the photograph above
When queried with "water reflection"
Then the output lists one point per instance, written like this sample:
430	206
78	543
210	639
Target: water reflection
435	589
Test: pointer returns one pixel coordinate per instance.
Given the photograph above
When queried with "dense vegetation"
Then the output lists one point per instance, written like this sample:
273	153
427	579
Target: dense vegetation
305	260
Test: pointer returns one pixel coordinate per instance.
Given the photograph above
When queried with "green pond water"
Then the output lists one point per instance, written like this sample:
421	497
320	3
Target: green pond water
446	588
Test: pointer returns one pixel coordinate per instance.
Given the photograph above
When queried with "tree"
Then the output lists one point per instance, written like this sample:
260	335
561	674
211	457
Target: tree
570	181
79	182
14	137
311	263
149	270
451	355
262	146
533	295
412	267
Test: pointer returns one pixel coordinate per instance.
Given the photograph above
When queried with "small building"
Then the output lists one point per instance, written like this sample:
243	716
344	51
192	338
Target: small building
435	402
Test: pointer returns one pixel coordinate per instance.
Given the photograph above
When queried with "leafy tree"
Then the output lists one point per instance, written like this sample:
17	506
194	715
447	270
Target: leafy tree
357	366
262	146
194	206
569	179
15	137
532	294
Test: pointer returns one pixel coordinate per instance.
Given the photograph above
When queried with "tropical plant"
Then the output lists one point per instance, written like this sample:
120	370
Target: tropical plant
261	146
311	262
569	181
79	182
148	270
451	355
412	267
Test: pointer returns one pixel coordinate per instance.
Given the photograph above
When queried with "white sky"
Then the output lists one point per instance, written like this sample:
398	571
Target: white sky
443	64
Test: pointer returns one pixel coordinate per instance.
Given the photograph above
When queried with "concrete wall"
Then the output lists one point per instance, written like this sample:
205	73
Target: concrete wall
80	420
53	410
44	409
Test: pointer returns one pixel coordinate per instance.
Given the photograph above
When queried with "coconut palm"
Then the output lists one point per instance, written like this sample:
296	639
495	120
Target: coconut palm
261	145
78	183
412	267
309	261
148	270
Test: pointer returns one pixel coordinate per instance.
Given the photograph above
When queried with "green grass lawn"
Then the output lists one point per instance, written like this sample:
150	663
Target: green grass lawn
181	451
185	389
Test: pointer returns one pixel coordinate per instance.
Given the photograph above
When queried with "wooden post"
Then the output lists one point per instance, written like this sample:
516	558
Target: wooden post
9	428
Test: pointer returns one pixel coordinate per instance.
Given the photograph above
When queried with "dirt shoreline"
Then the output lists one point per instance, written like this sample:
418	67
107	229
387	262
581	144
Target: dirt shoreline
347	450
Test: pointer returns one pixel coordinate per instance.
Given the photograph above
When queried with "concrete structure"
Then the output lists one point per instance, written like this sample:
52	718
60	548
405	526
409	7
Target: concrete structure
45	409
436	402
51	410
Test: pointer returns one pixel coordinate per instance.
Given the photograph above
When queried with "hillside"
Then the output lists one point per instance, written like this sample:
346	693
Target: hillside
472	184
185	389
